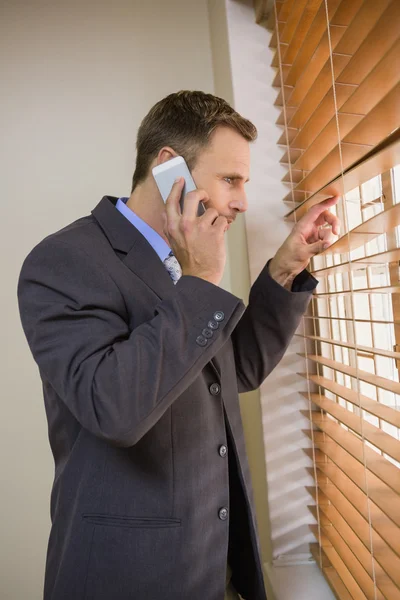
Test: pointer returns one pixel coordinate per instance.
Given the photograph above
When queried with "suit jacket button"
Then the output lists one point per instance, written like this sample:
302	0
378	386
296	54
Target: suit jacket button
222	451
215	389
219	315
223	513
201	340
208	333
213	324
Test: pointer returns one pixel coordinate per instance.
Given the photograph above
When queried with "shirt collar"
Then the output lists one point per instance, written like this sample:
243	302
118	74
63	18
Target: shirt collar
159	245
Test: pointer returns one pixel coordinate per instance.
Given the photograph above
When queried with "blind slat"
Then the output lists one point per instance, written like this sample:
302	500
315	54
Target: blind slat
360	263
292	21
344	14
388	289
345	493
360	348
346	72
343	447
354	562
376	380
348	319
363	22
289	134
317	87
340	566
376	85
311	42
338	531
386	413
385	33
274	40
321	113
289	112
284	9
327	140
277	82
347	454
350	98
333	579
337	508
316	65
379	122
279	99
385	442
383	158
328	168
293	154
302	29
354	129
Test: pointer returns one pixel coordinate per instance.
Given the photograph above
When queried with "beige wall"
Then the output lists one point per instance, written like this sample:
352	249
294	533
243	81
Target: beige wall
76	79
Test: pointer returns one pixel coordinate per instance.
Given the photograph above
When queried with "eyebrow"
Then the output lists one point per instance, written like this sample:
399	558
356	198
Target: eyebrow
234	176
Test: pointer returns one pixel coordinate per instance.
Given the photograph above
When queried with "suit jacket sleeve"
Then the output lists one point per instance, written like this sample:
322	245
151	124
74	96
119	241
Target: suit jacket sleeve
267	326
116	382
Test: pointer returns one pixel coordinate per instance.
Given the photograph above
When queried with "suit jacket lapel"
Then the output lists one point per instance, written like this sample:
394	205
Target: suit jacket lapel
140	256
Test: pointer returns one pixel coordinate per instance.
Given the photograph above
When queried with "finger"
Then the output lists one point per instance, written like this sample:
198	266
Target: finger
172	203
210	216
326	239
326	235
191	203
221	224
318	247
333	221
315	211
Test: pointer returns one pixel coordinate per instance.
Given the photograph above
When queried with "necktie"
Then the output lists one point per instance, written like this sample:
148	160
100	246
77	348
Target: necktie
173	267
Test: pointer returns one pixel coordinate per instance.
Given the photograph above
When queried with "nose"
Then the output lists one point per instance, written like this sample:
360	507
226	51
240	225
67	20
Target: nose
240	203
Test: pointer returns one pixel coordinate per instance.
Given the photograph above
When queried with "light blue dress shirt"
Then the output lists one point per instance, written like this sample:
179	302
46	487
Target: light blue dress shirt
159	245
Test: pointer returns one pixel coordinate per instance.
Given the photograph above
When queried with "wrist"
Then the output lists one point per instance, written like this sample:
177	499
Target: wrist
211	278
281	274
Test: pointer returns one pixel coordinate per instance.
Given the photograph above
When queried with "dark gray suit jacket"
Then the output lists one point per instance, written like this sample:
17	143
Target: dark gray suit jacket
141	381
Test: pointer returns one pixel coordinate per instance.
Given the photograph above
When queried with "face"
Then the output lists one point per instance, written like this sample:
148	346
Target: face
222	170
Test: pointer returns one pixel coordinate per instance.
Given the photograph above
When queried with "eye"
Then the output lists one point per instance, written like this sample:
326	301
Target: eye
228	180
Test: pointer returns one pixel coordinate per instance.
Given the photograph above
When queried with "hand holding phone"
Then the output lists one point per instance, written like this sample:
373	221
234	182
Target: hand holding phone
166	174
197	242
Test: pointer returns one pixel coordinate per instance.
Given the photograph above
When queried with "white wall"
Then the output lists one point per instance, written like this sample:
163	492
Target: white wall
77	77
266	230
239	281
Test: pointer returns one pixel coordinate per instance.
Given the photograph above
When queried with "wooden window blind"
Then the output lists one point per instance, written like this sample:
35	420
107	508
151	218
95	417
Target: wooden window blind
338	90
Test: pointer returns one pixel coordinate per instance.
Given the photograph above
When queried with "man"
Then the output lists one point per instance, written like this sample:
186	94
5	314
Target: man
142	356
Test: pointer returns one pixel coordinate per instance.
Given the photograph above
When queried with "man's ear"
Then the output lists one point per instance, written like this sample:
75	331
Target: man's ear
166	153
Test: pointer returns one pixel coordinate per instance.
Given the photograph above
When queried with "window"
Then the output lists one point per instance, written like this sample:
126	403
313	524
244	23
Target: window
338	87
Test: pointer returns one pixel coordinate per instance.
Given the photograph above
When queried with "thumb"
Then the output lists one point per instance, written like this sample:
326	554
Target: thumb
318	247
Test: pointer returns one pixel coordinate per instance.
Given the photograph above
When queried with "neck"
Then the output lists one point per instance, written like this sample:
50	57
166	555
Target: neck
145	201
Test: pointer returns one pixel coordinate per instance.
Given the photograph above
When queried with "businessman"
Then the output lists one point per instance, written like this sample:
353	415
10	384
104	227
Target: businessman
142	356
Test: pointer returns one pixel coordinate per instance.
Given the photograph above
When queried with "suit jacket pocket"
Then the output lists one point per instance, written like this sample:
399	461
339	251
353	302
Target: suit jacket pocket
131	522
133	557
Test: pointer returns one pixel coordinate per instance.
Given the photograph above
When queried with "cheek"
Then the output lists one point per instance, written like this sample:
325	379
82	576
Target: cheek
219	196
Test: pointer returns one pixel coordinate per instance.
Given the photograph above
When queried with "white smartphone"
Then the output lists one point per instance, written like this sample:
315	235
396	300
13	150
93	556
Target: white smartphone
165	175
